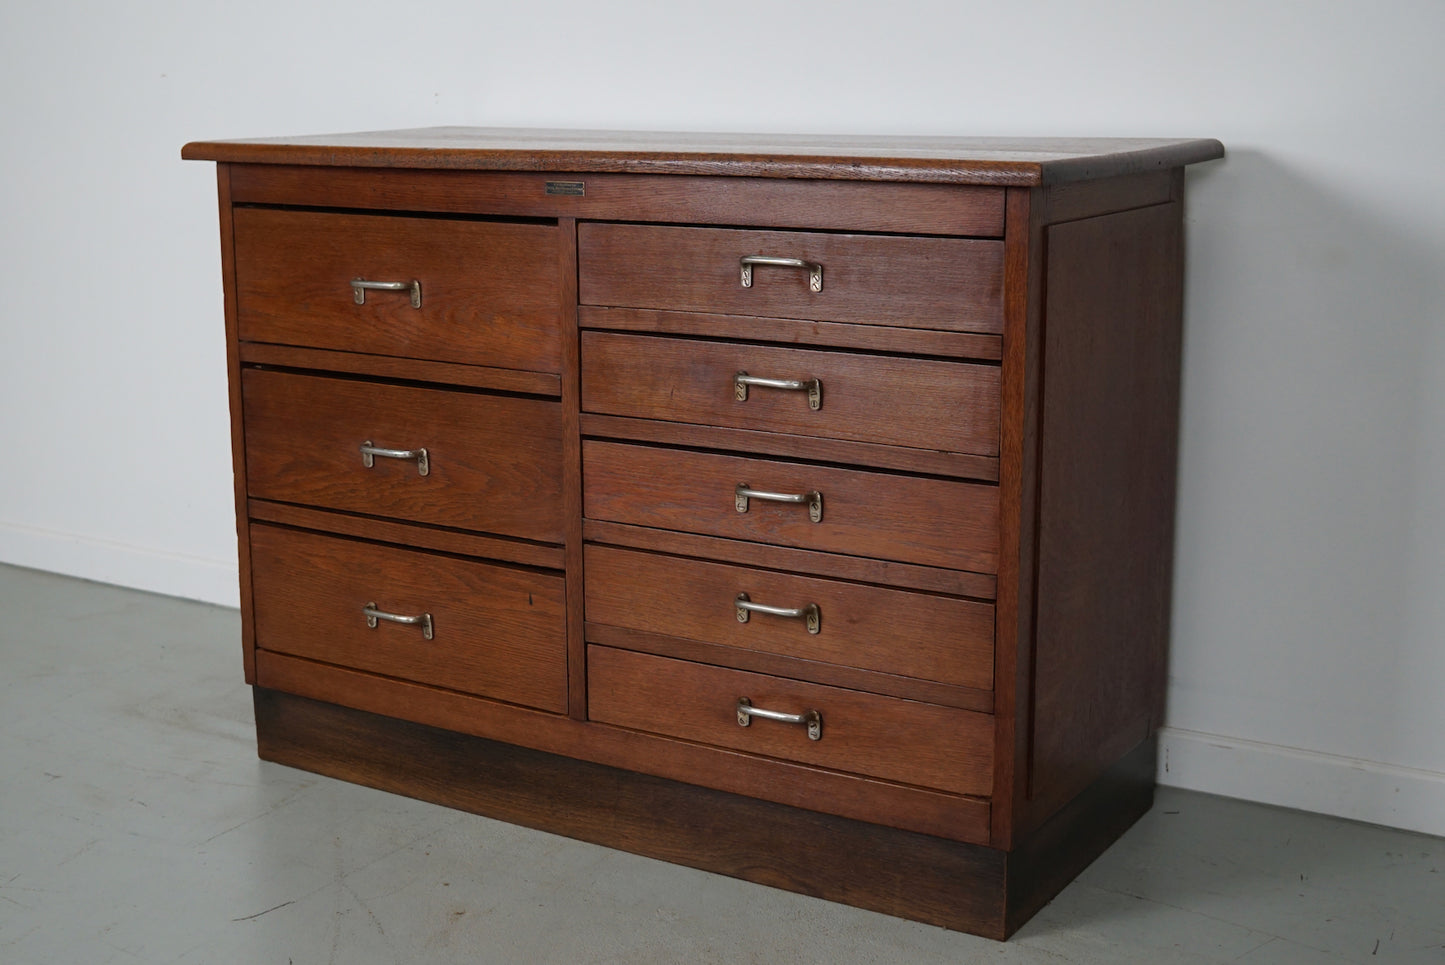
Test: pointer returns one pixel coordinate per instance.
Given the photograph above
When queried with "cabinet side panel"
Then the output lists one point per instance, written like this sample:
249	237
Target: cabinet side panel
238	428
1018	498
1109	443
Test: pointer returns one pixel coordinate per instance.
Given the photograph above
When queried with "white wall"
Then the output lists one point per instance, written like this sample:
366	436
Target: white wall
1309	643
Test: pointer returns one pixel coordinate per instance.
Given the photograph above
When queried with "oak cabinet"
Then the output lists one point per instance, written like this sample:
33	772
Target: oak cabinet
800	509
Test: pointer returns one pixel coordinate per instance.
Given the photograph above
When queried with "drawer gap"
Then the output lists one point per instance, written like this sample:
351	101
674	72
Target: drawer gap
402	213
411	547
408	383
781	571
744	226
830	349
799	461
799	669
882	781
312	661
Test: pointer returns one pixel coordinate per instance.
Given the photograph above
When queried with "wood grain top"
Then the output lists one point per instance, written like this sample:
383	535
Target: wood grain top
1008	161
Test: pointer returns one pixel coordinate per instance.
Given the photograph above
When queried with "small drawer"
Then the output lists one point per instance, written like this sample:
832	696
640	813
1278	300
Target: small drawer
496	631
946	406
911	519
897	740
489	292
493	463
950	284
936	638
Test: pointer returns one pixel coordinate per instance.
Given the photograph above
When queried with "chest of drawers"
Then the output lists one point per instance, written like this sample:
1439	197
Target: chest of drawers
799	509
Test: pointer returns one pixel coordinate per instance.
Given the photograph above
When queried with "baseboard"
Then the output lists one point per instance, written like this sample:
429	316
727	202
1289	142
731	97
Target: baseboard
1398	797
105	561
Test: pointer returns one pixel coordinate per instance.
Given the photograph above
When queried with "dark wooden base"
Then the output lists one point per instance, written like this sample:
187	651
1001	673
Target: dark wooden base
959	886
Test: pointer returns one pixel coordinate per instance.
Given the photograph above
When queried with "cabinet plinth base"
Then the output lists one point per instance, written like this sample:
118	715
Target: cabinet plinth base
958	886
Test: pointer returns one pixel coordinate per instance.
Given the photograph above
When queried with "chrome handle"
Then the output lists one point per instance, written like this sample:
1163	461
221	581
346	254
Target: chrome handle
369	452
373	615
810	614
360	286
814	500
813	719
815	270
814	387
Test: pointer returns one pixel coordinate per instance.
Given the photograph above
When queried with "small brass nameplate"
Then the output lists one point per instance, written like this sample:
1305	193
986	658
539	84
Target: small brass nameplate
574	188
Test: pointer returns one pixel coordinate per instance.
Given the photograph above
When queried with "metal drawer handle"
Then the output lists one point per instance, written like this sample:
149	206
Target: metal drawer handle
360	286
814	387
369	452
815	270
373	615
810	614
813	719
814	500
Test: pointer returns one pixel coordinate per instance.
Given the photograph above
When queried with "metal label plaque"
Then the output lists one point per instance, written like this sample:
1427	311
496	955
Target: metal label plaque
574	189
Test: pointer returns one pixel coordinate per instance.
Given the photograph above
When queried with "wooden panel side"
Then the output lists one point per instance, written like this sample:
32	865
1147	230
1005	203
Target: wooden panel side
1109	427
901	873
238	420
1023	297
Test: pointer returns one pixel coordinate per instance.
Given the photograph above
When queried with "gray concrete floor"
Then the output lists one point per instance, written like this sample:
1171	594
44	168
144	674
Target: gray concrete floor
137	825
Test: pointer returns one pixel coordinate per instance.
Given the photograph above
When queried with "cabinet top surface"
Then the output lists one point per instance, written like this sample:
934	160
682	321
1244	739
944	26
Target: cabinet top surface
1006	161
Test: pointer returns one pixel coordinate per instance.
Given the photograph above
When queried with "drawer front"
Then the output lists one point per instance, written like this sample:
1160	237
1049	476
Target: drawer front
951	284
876	628
494	462
490	291
885	737
910	519
497	631
948	406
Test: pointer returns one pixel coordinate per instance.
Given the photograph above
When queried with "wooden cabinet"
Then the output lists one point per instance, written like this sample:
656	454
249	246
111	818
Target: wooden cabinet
797	509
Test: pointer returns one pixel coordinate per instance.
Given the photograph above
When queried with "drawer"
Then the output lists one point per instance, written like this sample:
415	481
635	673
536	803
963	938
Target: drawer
947	406
952	284
875	628
886	737
911	519
494	462
497	631
490	291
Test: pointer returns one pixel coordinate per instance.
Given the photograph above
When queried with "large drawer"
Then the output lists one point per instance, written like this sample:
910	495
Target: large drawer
497	631
489	291
948	406
876	628
885	737
952	284
494	462
911	519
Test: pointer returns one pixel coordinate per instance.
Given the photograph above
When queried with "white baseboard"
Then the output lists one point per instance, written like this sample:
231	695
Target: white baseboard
104	561
1399	797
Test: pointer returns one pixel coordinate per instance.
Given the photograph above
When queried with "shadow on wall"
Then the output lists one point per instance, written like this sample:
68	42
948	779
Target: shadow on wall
1307	347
